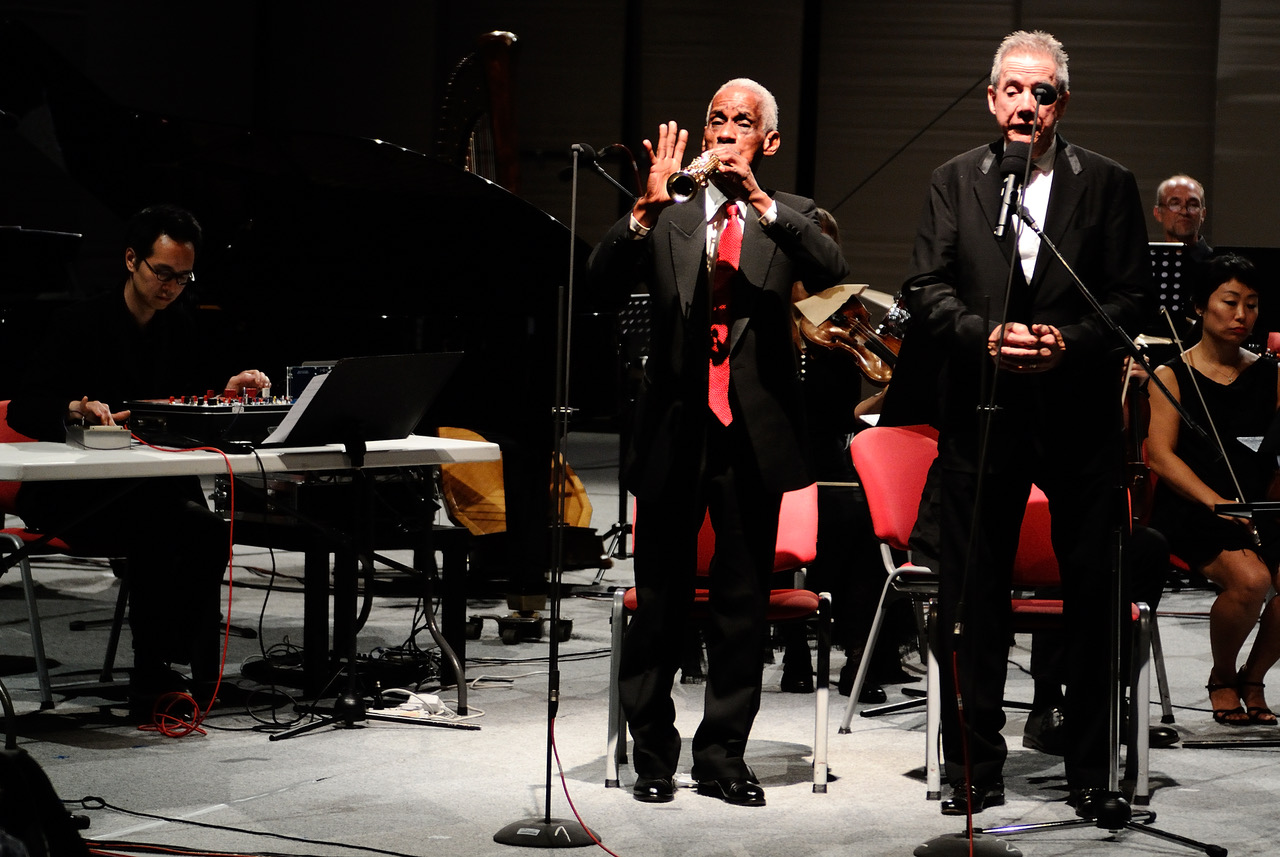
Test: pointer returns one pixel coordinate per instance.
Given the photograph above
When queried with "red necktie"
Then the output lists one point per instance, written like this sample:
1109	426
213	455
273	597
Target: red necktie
727	253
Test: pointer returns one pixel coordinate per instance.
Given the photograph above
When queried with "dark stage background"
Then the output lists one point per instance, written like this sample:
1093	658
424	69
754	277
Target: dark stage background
1161	85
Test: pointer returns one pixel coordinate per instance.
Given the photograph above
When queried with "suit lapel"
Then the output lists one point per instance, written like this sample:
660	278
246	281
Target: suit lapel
988	190
688	237
753	264
1064	198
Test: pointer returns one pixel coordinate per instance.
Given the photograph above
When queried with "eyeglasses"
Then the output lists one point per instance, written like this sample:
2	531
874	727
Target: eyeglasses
167	275
1191	206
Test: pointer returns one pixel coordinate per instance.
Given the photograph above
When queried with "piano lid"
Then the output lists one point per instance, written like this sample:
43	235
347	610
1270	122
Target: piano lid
288	216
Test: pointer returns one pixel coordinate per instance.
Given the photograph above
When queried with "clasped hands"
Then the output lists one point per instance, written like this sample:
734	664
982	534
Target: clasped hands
1016	347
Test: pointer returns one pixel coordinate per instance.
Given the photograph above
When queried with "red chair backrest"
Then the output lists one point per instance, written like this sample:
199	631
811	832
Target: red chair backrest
1035	564
892	463
9	490
797	543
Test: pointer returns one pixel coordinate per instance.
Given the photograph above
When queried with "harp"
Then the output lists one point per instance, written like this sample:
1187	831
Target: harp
476	131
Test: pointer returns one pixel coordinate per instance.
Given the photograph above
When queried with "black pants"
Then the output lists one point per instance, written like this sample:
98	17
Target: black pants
1084	512
745	518
176	549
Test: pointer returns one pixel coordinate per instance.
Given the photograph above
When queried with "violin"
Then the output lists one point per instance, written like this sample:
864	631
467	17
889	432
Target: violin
848	330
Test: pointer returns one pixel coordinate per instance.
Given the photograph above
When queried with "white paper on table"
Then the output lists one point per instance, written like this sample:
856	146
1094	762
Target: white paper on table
280	433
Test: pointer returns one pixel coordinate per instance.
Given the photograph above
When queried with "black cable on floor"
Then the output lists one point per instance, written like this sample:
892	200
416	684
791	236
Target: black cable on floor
91	802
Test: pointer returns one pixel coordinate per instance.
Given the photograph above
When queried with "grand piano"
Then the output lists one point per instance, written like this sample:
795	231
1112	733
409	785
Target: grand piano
317	247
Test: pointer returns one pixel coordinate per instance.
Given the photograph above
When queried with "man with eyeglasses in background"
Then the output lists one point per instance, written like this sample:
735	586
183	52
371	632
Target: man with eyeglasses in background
136	342
1180	211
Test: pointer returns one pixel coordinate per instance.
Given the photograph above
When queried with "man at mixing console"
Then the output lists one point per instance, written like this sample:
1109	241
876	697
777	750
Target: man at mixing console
137	342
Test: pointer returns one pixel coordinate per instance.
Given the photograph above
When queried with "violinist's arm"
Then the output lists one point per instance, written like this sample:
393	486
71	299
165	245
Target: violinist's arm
1162	440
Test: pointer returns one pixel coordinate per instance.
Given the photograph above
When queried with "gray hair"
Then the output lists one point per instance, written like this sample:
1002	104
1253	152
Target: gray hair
1164	186
768	104
1034	42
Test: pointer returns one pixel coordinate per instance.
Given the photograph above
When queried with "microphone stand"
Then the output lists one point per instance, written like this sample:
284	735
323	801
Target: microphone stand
621	528
969	842
1115	812
544	831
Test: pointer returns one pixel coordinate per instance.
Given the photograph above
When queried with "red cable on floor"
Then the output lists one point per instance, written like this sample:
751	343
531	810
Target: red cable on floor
565	786
170	715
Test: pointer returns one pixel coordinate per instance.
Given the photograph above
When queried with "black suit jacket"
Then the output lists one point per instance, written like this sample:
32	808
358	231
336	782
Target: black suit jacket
764	385
955	293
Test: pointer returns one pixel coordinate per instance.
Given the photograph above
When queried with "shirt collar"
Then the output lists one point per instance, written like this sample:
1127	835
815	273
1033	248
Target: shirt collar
1044	163
713	200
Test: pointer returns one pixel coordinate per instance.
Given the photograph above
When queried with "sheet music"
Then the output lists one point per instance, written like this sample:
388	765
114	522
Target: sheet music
281	432
818	308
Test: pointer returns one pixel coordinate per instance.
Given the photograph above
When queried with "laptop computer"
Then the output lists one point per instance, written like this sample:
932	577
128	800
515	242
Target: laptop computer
365	398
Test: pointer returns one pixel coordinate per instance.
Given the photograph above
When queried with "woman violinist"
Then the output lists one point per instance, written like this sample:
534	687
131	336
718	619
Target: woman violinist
1232	393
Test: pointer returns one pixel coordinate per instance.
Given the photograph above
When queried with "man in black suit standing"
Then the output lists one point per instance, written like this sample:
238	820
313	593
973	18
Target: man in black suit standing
1046	362
719	427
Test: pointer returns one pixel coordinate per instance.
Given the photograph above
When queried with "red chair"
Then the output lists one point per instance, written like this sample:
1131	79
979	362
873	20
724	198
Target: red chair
16	538
796	548
1035	567
892	464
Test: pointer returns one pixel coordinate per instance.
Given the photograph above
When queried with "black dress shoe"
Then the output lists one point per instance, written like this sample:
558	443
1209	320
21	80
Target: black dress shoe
983	796
796	681
1087	802
1045	732
1162	736
654	790
872	694
735	790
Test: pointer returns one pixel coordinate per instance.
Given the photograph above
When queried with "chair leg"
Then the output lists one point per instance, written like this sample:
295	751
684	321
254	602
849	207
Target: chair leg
33	621
615	752
822	692
113	640
1140	693
933	707
852	705
1162	678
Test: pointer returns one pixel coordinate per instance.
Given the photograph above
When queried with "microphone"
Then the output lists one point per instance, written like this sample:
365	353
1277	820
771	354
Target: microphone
589	157
1044	93
1013	165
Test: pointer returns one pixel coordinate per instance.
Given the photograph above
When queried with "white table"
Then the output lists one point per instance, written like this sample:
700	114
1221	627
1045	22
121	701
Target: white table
44	462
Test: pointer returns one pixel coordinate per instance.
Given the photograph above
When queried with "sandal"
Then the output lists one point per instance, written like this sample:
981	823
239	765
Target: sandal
1259	714
1227	716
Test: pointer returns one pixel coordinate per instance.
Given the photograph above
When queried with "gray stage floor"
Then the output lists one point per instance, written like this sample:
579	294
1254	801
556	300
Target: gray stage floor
403	788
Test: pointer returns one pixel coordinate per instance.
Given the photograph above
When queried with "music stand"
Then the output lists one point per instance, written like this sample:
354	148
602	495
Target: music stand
360	400
365	398
633	350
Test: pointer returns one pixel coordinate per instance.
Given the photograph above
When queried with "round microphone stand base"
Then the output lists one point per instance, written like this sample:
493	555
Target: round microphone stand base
957	845
545	832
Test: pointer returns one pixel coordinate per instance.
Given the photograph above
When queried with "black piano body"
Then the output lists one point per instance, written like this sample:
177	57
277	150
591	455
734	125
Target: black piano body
317	247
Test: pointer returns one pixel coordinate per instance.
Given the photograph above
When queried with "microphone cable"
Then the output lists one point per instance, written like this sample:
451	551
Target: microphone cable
987	410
